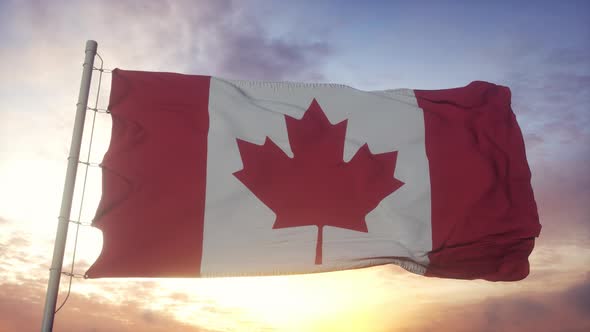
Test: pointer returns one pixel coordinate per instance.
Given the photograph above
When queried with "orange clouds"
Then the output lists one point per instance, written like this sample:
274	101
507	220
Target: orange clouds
566	310
41	55
21	308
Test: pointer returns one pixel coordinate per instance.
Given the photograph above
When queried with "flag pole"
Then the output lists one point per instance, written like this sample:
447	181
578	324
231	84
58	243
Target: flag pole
68	193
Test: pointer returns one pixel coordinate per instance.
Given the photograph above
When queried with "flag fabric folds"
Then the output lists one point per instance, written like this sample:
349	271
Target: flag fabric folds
211	177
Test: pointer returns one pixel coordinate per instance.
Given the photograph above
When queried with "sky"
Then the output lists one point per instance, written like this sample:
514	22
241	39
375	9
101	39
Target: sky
540	49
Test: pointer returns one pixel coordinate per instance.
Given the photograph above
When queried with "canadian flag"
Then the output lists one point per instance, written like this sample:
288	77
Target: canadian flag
212	177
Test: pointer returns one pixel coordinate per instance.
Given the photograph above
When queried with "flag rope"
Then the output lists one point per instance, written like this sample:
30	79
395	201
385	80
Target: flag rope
98	110
81	223
88	164
101	69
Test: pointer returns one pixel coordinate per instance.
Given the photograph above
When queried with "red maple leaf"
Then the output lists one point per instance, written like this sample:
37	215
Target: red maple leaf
316	187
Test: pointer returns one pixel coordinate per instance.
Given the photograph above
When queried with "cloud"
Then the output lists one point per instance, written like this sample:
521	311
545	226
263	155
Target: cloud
18	241
201	37
21	308
18	263
569	56
251	56
565	310
579	296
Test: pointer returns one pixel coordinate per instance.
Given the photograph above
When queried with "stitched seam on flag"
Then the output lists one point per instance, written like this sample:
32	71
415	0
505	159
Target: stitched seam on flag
405	92
412	267
400	92
270	84
407	265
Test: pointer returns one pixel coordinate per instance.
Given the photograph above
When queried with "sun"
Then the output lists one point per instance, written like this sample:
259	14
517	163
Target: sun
335	301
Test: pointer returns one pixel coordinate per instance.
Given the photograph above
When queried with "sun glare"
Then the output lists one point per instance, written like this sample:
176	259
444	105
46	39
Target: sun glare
320	302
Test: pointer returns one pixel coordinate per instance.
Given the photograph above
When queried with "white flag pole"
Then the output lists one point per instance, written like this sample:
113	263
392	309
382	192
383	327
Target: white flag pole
68	193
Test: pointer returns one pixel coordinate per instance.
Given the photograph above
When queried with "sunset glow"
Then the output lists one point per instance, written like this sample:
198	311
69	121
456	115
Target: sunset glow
538	49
